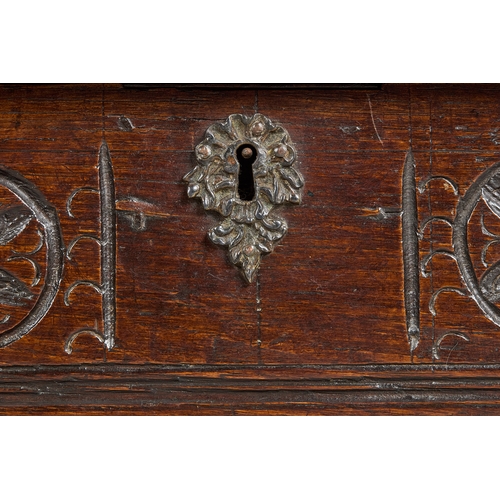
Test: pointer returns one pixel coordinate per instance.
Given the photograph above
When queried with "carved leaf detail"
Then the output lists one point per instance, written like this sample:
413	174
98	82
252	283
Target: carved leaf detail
272	229
286	186
489	283
292	176
244	213
491	196
290	184
247	242
13	221
228	233
247	257
13	292
274	193
208	199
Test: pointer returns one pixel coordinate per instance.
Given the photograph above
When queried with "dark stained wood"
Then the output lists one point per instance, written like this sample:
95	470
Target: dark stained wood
322	330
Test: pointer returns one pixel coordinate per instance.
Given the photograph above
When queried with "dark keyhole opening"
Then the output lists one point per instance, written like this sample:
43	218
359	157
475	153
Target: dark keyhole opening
246	155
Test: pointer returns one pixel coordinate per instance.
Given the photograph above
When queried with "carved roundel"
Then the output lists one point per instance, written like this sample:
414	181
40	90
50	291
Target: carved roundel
244	168
13	221
486	289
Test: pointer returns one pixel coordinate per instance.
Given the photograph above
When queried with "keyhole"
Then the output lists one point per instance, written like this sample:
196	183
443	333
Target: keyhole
246	155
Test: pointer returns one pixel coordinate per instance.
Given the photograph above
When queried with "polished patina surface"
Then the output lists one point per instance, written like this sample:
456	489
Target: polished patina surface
382	298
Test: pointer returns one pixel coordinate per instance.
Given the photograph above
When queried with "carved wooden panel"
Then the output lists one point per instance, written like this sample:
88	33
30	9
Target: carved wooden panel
116	294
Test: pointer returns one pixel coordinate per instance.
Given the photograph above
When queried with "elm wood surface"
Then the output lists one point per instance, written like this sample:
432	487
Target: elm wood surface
322	331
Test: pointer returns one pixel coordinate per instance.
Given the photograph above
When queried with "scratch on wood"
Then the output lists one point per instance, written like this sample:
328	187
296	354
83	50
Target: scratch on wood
437	344
381	213
373	121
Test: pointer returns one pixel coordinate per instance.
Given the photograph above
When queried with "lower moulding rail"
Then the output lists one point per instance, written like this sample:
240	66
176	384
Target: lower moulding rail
57	396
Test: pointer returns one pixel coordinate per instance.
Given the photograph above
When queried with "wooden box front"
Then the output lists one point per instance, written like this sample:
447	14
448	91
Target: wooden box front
323	328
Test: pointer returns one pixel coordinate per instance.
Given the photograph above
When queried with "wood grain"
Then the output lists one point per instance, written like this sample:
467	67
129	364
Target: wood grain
322	330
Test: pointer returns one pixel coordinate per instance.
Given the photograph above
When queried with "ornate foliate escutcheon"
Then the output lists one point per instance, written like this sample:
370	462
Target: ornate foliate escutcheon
244	168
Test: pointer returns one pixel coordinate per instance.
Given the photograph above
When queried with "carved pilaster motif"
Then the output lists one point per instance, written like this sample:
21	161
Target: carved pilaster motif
482	287
409	222
107	243
136	212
